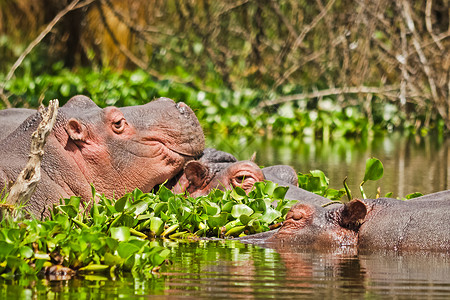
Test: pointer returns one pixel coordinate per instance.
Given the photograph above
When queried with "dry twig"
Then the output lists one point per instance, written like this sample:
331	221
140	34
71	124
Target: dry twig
73	5
330	92
26	182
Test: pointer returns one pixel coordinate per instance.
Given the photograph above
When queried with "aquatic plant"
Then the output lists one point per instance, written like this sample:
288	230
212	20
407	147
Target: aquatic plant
115	235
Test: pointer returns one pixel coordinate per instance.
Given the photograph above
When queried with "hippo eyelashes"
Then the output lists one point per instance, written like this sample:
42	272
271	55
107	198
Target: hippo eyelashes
245	181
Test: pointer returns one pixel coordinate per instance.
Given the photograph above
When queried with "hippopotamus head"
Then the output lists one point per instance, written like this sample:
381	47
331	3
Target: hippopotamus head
115	149
315	226
138	146
217	170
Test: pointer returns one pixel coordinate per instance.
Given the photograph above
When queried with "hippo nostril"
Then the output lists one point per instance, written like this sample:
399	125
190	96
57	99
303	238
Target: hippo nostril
181	106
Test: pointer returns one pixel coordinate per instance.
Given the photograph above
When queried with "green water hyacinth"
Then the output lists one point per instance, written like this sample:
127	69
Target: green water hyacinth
115	235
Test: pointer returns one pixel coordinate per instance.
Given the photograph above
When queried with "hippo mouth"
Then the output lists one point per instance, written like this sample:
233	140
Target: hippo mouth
187	150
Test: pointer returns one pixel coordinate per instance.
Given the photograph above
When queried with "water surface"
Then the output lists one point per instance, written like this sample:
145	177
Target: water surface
412	164
229	269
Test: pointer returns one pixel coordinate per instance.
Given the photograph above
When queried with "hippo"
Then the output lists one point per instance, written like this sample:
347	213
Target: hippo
218	169
382	223
215	161
115	150
11	118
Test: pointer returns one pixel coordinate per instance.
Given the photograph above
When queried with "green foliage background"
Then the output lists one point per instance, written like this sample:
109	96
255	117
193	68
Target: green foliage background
230	60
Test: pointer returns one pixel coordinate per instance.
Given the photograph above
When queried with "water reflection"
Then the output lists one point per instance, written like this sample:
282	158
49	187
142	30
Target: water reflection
412	164
229	269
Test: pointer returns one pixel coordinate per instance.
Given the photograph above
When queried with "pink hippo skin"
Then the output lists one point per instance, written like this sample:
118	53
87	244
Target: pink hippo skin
114	149
216	170
382	223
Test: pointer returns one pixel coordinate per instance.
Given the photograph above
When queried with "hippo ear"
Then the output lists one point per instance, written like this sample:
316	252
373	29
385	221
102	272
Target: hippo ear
353	214
196	173
76	130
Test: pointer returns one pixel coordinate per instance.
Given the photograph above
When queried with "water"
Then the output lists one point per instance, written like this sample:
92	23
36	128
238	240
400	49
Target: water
229	269
411	164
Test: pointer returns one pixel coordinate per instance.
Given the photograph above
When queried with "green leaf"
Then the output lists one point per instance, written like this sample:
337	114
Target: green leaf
244	219
413	195
270	215
69	210
227	207
156	226
94	268
238	194
160	207
324	181
258	205
139	207
280	192
241	209
75	202
127	249
170	230
217	221
270	188
374	170
26	252
120	233
120	204
164	194
333	194
113	260
235	231
5	249
212	209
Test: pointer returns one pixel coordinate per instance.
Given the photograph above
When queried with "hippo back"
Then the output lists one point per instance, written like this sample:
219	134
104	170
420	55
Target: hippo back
11	118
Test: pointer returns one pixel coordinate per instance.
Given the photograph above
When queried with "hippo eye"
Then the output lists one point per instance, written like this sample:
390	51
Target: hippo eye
296	215
246	182
239	179
119	126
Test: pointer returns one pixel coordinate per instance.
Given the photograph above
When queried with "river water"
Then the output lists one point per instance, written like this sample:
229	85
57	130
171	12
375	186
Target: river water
411	164
230	269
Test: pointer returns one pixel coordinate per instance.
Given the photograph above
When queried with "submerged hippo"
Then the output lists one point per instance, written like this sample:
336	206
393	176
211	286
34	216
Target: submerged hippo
382	223
218	169
114	149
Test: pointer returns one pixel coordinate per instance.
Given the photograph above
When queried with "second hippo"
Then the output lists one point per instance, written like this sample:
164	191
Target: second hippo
382	223
218	169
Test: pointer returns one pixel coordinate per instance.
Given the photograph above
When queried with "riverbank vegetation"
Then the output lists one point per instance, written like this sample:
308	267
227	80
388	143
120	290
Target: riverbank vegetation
328	68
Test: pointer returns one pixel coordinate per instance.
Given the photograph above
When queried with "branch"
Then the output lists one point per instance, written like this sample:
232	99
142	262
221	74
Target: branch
429	25
124	50
423	60
329	92
34	43
26	182
310	26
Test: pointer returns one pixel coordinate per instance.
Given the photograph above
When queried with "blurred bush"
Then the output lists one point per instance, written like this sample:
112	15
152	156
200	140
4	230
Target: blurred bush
384	63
